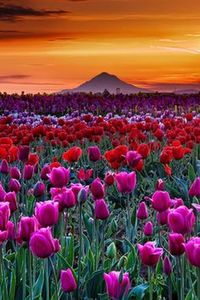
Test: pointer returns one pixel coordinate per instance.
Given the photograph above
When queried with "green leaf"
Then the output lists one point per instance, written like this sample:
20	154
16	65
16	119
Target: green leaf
191	173
138	292
95	285
37	288
12	285
70	249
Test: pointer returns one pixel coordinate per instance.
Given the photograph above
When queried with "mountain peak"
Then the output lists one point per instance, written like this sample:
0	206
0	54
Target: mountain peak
106	81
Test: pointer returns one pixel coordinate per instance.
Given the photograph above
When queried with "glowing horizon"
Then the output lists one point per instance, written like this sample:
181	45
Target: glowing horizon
58	45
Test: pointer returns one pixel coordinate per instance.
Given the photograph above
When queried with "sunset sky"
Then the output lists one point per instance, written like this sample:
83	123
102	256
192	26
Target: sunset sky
50	45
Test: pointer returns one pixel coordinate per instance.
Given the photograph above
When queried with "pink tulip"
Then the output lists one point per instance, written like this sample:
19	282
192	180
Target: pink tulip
28	172
142	212
192	250
65	199
15	173
94	153
11	198
149	254
11	230
4	215
97	189
126	182
181	220
44	172
26	227
160	185
175	244
14	185
101	209
167	266
3	236
2	193
132	158
42	243
47	213
4	167
195	188
117	284
59	177
161	201
76	187
23	153
148	229
68	282
162	217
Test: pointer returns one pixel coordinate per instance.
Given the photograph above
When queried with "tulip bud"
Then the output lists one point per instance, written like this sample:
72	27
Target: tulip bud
142	212
23	153
14	185
12	200
94	153
97	189
109	179
82	196
39	189
111	251
68	282
4	167
44	172
148	229
11	230
195	188
47	213
15	173
101	209
27	172
167	266
160	185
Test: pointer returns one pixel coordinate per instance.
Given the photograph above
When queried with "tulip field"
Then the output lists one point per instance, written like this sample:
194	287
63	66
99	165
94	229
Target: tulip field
99	197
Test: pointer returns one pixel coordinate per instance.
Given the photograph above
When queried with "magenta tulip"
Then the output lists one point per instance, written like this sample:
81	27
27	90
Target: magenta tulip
42	244
68	282
4	167
176	244
142	212
26	227
59	177
181	220
28	172
66	199
148	229
192	250
195	188
117	284
101	209
15	173
94	153
167	266
126	182
97	189
149	254
132	158
162	217
47	213
4	215
11	198
39	189
161	201
14	185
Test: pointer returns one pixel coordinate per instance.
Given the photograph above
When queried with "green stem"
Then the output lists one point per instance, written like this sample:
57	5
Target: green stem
150	283
96	243
2	273
103	246
24	277
128	218
55	277
80	249
46	266
198	282
30	274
